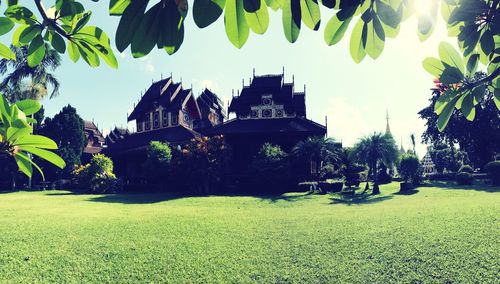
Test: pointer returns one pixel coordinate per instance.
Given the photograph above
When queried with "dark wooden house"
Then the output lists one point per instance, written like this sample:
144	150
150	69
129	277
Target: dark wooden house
166	112
267	110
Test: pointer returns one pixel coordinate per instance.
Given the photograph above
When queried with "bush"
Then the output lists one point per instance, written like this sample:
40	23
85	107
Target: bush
493	169
97	176
466	169
157	164
409	168
383	176
464	178
269	171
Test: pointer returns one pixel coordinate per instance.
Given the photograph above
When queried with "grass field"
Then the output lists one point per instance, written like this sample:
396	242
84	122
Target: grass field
438	235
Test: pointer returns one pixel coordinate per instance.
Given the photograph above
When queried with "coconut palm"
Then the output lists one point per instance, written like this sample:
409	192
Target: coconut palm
318	150
373	150
23	81
413	142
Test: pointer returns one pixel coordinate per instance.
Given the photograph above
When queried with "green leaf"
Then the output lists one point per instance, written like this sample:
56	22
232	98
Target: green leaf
206	12
388	15
450	56
356	45
274	4
6	25
20	15
36	51
129	23
487	42
24	163
88	54
148	32
451	75
237	29
29	107
433	66
335	30
310	13
445	115
467	106
80	21
117	7
6	53
57	42
258	19
13	133
172	32
17	34
49	156
36	141
374	45
73	51
28	34
496	96
472	63
291	18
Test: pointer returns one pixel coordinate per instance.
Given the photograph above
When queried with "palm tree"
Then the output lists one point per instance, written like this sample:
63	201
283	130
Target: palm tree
413	142
316	150
23	81
375	149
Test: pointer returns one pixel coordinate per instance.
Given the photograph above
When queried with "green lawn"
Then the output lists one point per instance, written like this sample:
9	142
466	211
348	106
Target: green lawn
438	235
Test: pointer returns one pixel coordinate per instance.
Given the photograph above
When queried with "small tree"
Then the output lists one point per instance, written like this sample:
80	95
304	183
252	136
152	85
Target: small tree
493	169
409	168
157	163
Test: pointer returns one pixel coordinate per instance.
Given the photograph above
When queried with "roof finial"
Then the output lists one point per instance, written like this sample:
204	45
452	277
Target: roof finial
304	88
387	128
254	72
232	93
243	82
293	78
283	70
161	76
171	76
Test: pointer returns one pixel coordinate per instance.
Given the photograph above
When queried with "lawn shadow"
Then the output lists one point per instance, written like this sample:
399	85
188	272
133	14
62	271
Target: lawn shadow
137	198
273	198
408	192
451	185
358	198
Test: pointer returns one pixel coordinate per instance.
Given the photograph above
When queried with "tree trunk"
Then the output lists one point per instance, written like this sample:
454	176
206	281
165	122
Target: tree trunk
376	190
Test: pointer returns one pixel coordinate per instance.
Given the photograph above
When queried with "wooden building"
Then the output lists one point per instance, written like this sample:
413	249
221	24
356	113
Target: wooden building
166	112
267	110
95	141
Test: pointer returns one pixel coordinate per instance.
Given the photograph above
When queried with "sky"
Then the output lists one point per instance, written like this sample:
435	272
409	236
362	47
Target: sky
353	97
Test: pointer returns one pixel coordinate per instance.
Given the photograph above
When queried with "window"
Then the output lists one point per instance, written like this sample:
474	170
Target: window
267	113
156	119
164	118
254	113
139	126
267	101
279	113
175	119
147	122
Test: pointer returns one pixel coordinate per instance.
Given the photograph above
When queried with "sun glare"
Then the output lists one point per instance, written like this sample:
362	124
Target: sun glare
423	7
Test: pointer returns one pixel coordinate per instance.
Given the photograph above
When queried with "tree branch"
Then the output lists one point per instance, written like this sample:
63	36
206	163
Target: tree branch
487	79
50	22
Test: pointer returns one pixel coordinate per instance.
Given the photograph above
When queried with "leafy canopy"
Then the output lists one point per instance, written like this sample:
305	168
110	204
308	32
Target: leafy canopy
145	24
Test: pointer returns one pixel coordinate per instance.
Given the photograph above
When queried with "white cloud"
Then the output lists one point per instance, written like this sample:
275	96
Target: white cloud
147	64
209	84
345	122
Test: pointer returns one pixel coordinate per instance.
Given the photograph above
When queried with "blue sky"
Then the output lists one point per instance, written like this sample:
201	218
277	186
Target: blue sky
353	96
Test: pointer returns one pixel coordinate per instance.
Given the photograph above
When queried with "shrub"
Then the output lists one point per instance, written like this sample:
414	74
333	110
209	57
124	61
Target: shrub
464	178
383	176
269	171
409	168
493	169
97	176
157	164
466	169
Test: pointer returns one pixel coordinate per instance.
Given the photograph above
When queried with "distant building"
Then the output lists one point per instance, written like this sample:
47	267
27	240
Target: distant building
428	166
95	141
116	135
267	110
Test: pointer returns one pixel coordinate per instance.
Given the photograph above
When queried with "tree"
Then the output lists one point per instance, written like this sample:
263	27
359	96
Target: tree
374	150
349	168
157	165
144	25
447	157
479	139
316	150
66	129
26	82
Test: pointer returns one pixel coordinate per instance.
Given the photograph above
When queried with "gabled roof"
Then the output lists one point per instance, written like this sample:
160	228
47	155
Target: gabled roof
174	135
282	93
207	99
89	126
273	125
